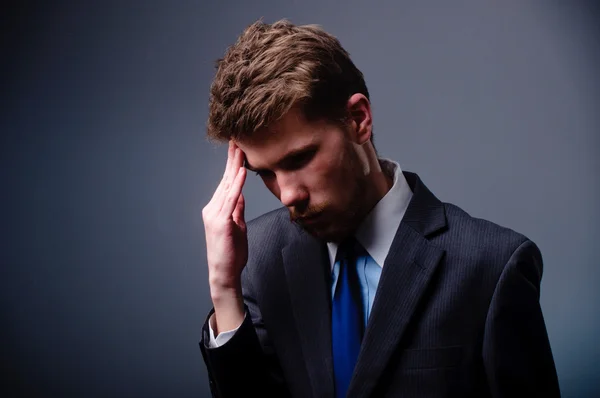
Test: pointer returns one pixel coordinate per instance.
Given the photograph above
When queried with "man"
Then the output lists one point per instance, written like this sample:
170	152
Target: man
364	284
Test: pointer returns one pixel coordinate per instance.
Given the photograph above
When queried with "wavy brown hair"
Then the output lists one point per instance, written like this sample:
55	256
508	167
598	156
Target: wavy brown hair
273	67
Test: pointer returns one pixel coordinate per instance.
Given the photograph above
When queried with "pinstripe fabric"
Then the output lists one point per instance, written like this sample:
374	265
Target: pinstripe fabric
456	313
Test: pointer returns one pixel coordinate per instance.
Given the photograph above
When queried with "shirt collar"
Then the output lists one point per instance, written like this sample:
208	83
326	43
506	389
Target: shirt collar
378	229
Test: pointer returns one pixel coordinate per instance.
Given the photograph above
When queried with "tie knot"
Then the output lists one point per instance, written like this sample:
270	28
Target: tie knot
349	249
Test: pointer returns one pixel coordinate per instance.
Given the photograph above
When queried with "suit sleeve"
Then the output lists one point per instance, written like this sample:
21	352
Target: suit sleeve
516	352
245	366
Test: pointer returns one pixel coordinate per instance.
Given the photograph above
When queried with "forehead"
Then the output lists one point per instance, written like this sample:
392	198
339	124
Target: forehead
289	133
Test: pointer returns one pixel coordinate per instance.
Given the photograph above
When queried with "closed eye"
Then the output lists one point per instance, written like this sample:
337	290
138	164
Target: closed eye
294	161
263	173
299	160
258	172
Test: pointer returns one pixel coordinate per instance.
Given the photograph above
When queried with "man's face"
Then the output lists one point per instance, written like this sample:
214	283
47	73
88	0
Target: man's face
314	169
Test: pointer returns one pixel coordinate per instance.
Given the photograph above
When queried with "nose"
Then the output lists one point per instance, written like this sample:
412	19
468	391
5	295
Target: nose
292	194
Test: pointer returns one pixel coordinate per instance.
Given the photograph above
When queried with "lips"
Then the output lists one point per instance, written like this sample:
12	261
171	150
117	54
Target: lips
310	219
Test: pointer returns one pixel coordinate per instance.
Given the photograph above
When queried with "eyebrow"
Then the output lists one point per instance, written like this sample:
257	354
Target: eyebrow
286	158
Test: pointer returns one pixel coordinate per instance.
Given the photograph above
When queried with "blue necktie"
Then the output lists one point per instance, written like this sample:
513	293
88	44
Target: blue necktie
346	318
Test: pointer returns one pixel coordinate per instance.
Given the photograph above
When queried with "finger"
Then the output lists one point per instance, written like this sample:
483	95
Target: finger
238	212
230	155
225	181
229	178
232	196
239	161
233	167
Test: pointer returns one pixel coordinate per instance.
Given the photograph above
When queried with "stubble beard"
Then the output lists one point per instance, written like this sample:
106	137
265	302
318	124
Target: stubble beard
345	222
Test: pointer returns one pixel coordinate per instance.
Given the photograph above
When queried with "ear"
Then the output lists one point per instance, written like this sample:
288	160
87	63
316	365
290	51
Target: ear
361	121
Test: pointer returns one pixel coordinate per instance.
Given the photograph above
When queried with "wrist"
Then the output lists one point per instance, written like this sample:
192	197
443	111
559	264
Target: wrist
224	289
224	298
229	311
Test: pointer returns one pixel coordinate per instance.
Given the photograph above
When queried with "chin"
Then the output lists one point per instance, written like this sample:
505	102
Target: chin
331	234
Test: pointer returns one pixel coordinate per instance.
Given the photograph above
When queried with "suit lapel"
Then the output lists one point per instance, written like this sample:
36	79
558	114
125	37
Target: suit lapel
307	273
406	273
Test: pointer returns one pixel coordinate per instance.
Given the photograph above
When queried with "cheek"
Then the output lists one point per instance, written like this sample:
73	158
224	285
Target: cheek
325	181
271	184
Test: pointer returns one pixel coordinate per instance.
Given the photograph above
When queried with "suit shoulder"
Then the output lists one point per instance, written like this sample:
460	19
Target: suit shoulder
480	236
271	230
273	217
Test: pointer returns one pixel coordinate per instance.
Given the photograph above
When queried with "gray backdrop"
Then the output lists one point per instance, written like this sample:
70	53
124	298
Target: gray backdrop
105	168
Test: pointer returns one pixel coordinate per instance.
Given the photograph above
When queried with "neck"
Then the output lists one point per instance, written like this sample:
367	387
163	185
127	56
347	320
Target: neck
378	182
381	183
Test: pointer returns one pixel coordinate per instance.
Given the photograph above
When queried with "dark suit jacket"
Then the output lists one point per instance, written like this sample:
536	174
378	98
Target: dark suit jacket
456	313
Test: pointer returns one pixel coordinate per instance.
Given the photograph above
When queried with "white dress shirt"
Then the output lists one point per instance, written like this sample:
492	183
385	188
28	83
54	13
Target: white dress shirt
375	234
